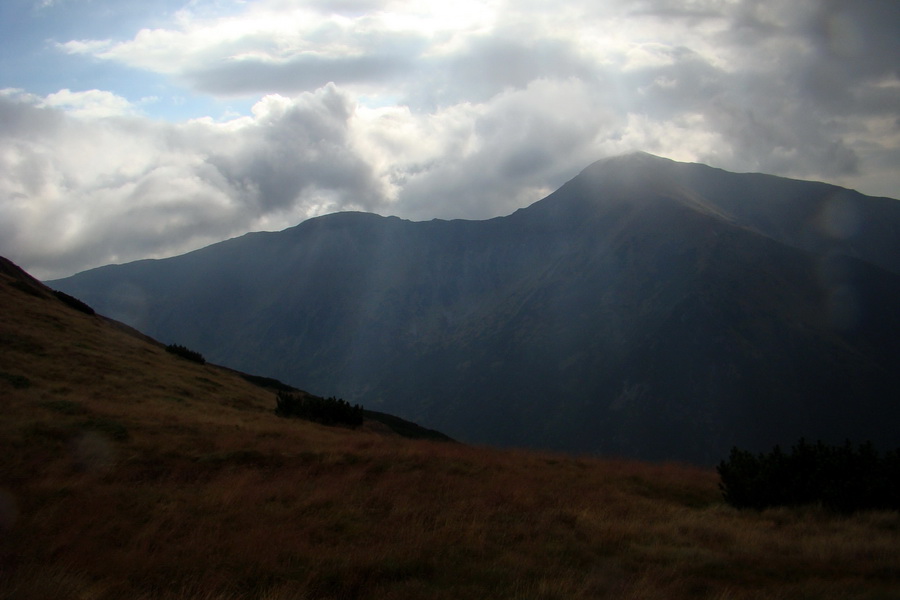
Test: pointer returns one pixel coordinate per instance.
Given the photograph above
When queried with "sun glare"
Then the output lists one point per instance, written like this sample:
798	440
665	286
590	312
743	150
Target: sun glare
435	18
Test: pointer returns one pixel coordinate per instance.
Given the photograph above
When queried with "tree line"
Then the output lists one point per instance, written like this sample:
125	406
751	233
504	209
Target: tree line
844	478
326	411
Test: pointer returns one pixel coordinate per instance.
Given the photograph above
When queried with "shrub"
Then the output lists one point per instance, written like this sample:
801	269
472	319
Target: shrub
327	411
112	429
845	478
66	407
19	382
183	352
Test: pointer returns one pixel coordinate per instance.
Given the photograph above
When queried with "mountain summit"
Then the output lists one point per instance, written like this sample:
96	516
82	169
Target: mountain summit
647	308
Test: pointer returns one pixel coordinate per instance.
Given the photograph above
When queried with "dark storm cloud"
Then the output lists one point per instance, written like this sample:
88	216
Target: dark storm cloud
767	120
790	84
297	147
860	39
517	148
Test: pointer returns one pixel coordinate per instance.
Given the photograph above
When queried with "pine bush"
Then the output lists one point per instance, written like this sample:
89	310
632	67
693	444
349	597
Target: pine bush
327	411
845	478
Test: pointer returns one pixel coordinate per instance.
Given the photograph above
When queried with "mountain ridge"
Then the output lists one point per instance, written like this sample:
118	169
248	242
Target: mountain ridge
565	324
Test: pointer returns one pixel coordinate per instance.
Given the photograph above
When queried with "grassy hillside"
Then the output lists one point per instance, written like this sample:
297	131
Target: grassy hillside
128	472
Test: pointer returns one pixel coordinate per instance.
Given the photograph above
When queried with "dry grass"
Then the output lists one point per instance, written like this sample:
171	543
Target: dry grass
130	473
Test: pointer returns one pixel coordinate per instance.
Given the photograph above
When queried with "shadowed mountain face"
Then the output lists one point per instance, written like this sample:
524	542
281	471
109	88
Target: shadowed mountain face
647	308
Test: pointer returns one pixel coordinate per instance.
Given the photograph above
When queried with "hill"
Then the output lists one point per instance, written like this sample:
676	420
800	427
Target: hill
129	472
648	308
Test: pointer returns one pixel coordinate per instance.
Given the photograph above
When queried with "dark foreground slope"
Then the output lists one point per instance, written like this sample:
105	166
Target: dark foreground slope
78	340
128	472
647	308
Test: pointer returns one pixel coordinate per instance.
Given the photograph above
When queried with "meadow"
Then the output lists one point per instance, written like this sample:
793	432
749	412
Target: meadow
129	472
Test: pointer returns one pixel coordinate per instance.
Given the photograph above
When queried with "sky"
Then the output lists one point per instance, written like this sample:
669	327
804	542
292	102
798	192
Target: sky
137	129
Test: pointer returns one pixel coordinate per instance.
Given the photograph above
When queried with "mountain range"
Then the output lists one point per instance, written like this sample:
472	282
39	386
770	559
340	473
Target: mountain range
647	308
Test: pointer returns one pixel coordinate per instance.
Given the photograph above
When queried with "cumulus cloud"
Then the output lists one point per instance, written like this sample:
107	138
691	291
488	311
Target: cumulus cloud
81	191
91	103
469	109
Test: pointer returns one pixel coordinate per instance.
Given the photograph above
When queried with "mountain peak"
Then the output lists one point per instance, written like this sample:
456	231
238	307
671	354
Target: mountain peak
625	176
637	155
636	158
626	167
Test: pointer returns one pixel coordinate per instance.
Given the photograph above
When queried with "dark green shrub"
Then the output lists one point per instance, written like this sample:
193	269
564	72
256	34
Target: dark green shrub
845	478
66	407
327	411
185	353
73	302
112	429
19	382
243	457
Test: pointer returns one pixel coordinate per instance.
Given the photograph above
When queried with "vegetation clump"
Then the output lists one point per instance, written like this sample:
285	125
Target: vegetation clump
179	350
73	302
326	411
19	382
65	407
112	429
844	479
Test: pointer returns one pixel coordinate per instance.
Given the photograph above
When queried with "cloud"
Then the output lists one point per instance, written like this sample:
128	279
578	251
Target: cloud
488	159
91	103
270	43
82	191
453	110
304	72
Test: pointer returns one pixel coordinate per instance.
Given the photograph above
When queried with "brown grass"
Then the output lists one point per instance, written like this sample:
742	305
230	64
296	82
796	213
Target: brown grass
130	473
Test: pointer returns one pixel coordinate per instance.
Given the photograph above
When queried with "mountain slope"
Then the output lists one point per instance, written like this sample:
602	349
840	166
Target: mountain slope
647	308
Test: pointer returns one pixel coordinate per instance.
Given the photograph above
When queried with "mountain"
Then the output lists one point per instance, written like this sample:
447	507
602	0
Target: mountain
130	472
647	308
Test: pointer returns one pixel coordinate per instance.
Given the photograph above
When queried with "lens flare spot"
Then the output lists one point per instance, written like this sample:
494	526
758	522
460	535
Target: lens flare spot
845	38
839	219
9	510
843	308
93	452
